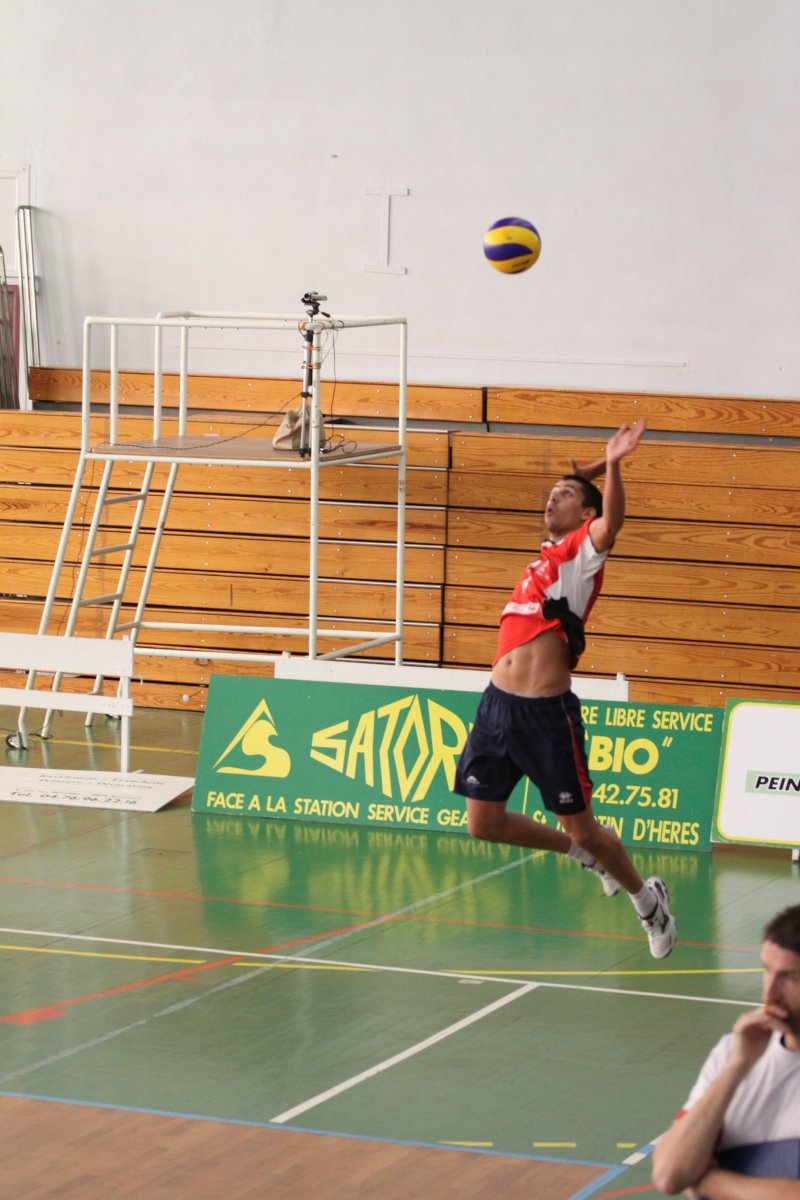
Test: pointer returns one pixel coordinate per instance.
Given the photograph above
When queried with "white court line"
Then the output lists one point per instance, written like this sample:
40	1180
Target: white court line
170	1010
639	1156
323	942
354	1080
401	912
230	983
270	957
269	961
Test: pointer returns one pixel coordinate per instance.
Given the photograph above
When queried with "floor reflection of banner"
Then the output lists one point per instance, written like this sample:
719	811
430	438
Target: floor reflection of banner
386	756
758	799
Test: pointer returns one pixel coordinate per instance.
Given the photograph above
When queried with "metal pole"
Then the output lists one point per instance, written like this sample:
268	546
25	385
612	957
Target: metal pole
313	549
113	398
158	370
401	493
184	385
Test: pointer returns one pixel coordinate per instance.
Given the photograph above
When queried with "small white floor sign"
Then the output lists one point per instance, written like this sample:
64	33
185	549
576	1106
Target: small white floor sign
92	789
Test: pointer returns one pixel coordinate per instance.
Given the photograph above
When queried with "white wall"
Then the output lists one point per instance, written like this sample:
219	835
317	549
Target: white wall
192	153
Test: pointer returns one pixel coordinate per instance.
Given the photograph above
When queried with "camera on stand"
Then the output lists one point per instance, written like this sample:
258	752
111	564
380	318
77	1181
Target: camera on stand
312	301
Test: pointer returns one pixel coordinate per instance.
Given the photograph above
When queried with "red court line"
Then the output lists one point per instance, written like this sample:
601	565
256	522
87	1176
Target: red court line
588	933
633	1191
172	895
49	1012
51	841
197	896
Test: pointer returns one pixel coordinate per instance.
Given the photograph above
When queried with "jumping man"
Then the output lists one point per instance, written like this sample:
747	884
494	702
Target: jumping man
529	720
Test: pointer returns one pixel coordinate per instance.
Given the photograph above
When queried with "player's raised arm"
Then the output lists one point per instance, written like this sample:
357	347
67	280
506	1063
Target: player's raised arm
605	529
588	470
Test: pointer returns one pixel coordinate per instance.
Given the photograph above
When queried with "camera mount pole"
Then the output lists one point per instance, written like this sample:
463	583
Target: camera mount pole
312	301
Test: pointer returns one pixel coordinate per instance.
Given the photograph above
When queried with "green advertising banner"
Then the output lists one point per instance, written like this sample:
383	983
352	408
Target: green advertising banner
357	754
367	755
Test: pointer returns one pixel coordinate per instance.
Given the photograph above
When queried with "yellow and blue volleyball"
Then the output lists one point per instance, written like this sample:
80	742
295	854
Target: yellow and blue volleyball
512	245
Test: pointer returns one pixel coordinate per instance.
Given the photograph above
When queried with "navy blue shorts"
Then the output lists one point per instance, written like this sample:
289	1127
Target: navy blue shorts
538	736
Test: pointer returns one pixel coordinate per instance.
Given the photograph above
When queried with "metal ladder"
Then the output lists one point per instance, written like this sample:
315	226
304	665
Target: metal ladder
93	554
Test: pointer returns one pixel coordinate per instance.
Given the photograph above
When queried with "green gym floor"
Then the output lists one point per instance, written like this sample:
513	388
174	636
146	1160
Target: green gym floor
408	989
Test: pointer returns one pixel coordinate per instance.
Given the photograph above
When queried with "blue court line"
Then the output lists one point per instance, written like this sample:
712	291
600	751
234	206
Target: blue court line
592	1188
355	1137
614	1173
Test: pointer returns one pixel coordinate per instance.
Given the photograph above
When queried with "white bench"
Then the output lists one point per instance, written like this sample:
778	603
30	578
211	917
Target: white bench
57	656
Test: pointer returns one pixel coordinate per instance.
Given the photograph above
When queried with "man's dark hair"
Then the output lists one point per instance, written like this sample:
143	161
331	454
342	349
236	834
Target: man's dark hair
784	929
592	496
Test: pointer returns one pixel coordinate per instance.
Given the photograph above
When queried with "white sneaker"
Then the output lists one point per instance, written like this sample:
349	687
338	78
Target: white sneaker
660	927
610	885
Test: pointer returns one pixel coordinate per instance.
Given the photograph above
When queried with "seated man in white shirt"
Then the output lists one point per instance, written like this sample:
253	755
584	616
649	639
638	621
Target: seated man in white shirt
738	1137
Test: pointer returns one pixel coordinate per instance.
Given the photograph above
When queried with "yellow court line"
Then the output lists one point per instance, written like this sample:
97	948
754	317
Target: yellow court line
193	962
97	954
115	746
470	1145
590	974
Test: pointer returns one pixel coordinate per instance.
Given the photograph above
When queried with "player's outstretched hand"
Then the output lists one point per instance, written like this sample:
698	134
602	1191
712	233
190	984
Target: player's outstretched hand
588	470
624	441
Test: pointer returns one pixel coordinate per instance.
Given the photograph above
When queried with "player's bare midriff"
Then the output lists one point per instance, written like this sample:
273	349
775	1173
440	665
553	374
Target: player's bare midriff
539	667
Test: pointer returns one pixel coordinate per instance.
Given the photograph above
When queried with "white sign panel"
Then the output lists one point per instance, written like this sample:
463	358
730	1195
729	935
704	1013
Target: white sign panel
758	794
92	789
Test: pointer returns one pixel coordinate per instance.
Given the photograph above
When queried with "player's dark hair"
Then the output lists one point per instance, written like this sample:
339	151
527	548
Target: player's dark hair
592	496
784	929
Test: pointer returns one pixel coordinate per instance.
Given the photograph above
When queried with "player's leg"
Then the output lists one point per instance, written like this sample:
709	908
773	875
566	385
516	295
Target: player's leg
491	821
603	845
649	897
566	790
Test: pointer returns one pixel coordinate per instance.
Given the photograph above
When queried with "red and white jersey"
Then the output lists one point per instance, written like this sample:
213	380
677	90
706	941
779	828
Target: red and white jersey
570	568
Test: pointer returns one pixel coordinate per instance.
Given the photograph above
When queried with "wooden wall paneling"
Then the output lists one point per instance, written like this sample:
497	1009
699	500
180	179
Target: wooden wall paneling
717	519
370	483
684	414
754	505
22	616
260	554
709	582
694	620
691	622
664	691
198	590
50	467
262	396
686	463
707	663
61	430
700	541
722	665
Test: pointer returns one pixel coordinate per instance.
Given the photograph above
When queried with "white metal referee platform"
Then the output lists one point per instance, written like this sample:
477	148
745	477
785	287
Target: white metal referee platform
183	448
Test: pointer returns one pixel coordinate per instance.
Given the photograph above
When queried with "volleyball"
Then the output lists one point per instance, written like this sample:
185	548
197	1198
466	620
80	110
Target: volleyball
512	245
